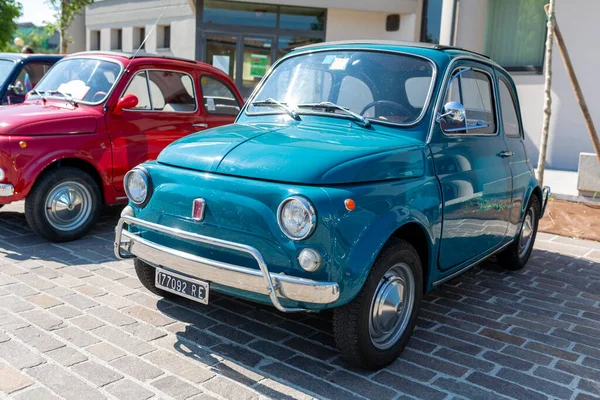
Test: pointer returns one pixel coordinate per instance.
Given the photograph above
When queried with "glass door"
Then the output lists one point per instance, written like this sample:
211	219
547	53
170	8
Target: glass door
221	52
257	58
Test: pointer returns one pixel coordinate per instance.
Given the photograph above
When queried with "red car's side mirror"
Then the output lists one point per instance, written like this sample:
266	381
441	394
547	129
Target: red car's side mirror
127	101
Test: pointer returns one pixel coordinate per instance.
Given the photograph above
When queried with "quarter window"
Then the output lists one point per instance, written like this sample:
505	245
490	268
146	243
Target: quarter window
166	91
218	97
510	116
473	89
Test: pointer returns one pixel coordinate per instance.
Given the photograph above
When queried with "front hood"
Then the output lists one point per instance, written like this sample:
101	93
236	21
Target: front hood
52	118
301	153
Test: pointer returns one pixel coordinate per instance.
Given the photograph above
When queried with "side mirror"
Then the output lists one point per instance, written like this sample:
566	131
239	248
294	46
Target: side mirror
17	88
454	117
127	101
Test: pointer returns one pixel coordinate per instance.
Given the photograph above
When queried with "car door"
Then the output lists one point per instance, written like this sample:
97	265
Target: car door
30	73
221	106
512	128
167	110
474	175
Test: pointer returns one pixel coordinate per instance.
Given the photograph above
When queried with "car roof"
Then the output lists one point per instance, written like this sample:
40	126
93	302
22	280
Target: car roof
20	56
130	55
451	50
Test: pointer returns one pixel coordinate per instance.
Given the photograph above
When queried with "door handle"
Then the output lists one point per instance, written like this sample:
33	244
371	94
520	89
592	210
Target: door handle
202	125
505	154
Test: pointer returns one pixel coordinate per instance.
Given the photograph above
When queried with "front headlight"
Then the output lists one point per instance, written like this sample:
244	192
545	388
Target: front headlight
296	217
138	186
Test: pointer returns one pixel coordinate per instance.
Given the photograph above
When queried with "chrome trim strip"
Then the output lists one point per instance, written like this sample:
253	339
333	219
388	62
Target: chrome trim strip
468	267
545	197
6	190
350	48
256	281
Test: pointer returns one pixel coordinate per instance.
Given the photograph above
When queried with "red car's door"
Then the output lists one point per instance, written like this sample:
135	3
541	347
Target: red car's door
167	110
220	99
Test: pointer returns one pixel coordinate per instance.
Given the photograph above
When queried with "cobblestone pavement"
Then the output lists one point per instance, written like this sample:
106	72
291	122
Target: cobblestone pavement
75	323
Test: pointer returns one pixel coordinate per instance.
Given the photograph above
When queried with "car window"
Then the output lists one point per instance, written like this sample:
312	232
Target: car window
139	87
473	89
416	90
31	74
166	91
510	116
355	95
218	97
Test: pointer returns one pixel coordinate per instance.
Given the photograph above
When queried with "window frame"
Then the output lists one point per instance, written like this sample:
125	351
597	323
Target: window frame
515	103
228	86
146	71
494	102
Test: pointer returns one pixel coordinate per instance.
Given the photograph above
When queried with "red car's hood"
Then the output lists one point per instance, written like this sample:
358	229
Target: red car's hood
52	118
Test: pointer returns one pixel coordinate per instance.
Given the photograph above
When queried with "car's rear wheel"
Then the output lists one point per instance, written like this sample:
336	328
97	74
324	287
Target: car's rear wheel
516	255
372	330
146	275
63	205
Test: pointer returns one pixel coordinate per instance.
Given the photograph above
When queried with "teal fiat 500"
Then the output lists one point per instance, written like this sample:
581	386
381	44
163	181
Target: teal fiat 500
358	176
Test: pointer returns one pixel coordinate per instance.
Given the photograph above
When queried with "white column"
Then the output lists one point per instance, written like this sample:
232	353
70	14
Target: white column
447	24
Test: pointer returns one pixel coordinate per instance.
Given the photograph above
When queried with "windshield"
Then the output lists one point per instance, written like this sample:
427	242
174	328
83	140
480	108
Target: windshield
5	67
383	87
82	79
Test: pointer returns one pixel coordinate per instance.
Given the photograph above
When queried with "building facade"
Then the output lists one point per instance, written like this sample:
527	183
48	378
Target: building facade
245	37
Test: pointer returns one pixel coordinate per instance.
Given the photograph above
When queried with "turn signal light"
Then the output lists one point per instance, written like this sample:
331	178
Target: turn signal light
23	144
350	204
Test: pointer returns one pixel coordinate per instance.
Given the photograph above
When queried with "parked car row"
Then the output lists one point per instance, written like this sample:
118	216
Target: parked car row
357	177
93	117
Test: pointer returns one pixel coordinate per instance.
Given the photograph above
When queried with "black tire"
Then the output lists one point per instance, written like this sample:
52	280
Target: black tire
145	273
514	257
351	322
37	213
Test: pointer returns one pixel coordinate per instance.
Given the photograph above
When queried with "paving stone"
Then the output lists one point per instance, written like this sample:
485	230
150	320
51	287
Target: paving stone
12	379
43	319
464	359
18	355
238	353
433	363
113	301
37	393
531	356
20	289
65	311
181	367
237	372
233	334
553	375
276	390
76	336
87	322
152	317
196	336
175	387
136	368
364	387
309	348
112	316
67	356
89	290
106	352
40	340
67	384
144	331
464	389
503	387
15	304
229	389
44	301
540	385
126	389
96	373
409	387
271	349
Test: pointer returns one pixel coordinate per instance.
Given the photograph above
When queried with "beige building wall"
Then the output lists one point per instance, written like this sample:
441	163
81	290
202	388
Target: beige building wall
344	24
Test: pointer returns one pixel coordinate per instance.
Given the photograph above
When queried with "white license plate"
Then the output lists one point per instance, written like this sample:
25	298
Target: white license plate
190	288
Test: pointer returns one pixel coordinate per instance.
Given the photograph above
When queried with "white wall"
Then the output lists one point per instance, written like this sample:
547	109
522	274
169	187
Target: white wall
344	24
77	34
568	133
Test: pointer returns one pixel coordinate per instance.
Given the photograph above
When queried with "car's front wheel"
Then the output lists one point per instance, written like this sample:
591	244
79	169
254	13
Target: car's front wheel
63	205
372	330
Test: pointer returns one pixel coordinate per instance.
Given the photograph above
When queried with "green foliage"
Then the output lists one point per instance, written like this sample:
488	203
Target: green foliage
65	13
38	38
10	10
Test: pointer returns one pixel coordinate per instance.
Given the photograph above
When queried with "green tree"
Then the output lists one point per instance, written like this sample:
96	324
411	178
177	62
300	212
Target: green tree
65	12
10	10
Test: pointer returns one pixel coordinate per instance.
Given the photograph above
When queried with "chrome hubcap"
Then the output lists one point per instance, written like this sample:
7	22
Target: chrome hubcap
68	206
391	306
526	235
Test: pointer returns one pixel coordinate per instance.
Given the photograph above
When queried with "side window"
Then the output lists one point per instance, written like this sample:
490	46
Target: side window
31	74
139	87
510	115
218	97
171	91
473	89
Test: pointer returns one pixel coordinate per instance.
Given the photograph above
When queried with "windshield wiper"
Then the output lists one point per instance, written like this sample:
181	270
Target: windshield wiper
283	106
328	104
34	90
67	96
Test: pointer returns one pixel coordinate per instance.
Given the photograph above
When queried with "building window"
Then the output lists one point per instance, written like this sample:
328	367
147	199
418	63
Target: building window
516	31
304	18
139	34
116	39
94	40
241	14
164	37
431	21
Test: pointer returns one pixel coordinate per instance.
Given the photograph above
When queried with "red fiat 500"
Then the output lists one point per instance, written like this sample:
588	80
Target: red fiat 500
92	118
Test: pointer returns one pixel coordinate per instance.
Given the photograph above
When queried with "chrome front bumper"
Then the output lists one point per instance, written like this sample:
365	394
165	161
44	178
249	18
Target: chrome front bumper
257	281
6	190
545	198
